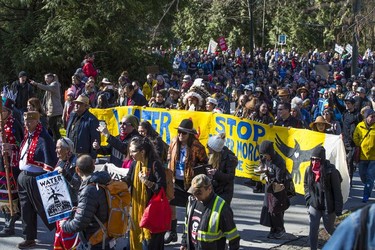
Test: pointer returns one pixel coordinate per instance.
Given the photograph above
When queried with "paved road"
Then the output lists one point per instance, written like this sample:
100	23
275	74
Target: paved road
246	207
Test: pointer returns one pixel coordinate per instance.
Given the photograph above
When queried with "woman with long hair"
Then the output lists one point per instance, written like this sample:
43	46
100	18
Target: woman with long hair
146	177
145	129
223	167
329	116
34	104
185	152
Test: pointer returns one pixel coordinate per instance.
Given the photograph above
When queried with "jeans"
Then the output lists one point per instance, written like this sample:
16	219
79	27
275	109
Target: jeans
314	217
367	174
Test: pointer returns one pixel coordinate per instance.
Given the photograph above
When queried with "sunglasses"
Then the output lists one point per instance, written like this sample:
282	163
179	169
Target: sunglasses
125	123
181	132
315	159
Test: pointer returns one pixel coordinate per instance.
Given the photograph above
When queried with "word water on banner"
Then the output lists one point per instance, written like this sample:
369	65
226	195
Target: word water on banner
55	196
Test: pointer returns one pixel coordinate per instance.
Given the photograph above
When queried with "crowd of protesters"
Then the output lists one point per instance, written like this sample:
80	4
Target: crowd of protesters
314	90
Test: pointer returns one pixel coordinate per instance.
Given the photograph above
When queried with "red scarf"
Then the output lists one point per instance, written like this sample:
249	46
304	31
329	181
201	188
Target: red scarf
316	170
32	148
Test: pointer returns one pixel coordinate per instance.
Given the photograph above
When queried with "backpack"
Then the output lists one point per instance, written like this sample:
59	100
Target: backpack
169	190
118	200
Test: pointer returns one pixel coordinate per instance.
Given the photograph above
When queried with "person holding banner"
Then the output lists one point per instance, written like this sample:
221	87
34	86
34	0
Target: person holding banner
185	153
37	156
10	149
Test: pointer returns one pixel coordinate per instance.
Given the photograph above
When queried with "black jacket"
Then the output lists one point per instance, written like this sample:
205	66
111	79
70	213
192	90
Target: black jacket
326	194
226	225
157	175
350	120
91	201
224	176
86	133
24	92
117	148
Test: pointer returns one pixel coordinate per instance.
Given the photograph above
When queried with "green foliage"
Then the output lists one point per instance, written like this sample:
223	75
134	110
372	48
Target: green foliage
42	36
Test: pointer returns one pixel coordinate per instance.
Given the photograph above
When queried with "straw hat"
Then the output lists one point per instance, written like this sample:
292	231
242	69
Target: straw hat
320	119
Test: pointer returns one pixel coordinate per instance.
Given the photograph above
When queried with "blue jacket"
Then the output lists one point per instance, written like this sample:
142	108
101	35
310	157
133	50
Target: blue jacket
345	235
87	133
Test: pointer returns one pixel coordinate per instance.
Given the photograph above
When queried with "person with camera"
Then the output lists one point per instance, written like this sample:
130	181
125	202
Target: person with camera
276	200
224	163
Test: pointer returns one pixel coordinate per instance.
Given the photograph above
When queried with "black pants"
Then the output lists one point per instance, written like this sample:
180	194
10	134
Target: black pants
156	242
31	205
54	127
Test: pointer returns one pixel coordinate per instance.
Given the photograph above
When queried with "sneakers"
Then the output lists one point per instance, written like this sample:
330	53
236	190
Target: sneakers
26	244
271	235
6	232
279	234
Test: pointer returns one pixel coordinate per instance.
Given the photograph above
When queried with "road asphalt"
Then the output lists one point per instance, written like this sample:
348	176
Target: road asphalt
246	207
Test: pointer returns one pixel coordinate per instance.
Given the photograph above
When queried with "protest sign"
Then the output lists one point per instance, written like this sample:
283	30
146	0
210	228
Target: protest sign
55	196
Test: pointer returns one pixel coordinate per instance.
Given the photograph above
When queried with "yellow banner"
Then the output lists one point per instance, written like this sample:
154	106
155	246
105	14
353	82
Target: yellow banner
243	136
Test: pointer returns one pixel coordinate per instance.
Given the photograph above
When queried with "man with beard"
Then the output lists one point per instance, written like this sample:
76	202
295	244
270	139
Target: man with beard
118	145
82	126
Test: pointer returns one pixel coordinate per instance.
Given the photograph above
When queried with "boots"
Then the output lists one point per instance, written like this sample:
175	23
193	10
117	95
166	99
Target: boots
8	229
171	236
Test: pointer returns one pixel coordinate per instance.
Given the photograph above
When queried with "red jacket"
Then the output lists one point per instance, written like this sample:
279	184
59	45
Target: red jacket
89	69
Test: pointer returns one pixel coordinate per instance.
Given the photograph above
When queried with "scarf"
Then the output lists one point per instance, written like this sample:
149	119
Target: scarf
139	203
316	170
33	143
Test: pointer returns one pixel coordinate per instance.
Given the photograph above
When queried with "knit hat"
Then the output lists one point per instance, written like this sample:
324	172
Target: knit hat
266	147
319	152
133	120
368	112
22	74
216	142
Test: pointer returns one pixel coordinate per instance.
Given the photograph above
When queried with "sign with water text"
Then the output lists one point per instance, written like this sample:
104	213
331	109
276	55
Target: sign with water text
55	196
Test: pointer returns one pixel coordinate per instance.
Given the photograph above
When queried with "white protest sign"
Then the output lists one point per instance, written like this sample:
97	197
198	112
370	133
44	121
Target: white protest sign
339	49
116	173
55	196
349	48
211	47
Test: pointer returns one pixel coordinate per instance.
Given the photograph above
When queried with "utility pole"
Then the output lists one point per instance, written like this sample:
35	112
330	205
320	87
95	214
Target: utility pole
250	8
356	8
264	16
